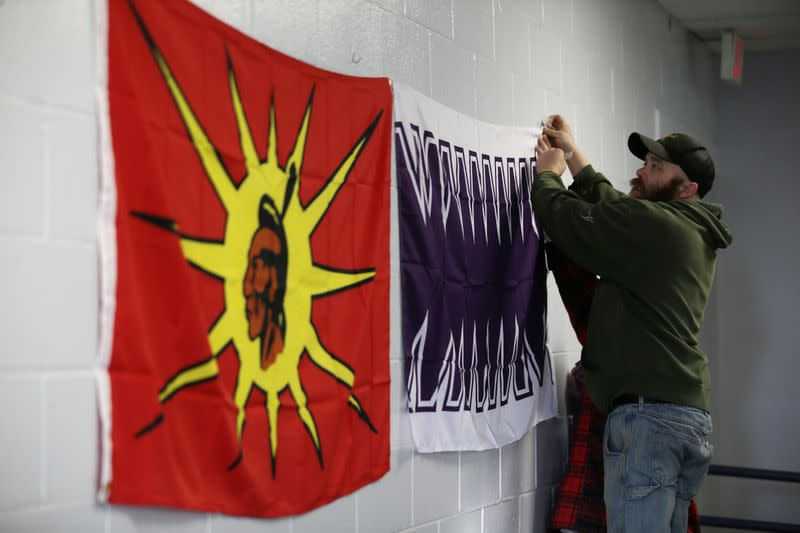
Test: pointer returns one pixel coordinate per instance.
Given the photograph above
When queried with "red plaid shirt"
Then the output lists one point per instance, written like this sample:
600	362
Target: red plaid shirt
579	505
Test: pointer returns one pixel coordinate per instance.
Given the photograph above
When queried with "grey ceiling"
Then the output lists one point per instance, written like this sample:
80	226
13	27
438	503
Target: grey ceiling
763	24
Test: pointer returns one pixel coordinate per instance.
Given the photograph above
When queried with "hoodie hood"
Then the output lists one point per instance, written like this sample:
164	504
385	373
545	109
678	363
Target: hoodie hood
709	217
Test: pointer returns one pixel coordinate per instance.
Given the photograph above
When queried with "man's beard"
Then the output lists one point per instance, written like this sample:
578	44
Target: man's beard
660	194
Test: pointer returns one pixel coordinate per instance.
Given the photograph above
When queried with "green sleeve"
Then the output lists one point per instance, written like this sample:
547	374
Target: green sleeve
604	237
593	187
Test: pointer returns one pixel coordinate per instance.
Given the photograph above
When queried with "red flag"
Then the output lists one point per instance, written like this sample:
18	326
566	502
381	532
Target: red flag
248	360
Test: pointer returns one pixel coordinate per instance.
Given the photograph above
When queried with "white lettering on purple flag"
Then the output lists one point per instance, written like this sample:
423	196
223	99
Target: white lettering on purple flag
474	299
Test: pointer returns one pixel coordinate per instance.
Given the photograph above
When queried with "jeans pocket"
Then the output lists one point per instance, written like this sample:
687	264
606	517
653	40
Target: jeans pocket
696	468
614	436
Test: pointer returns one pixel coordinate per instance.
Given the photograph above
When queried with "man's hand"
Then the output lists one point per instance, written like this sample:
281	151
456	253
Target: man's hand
549	159
560	135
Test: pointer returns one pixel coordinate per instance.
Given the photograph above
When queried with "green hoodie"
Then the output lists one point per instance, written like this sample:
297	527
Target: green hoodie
656	263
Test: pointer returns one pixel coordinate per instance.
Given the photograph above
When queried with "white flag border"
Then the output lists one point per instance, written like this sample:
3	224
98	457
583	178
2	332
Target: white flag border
107	252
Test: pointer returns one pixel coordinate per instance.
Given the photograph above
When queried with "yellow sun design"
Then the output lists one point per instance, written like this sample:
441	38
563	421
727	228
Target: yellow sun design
266	188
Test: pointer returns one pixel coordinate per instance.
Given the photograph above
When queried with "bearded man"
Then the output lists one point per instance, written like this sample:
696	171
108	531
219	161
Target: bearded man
655	253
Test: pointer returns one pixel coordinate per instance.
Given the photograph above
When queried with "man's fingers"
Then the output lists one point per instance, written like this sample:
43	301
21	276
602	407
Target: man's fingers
542	143
550	132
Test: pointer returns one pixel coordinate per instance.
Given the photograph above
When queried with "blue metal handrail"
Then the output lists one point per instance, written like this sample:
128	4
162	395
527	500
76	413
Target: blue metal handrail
751	525
754	473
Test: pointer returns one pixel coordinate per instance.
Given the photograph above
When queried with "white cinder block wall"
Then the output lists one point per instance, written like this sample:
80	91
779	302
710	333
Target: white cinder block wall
610	66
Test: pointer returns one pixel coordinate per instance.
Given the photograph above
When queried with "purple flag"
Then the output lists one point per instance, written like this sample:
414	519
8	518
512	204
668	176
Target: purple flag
473	278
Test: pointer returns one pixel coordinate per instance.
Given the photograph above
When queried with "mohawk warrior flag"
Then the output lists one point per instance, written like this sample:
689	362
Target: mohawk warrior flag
245	269
472	277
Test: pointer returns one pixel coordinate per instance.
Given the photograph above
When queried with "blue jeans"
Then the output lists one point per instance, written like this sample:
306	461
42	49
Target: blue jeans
655	457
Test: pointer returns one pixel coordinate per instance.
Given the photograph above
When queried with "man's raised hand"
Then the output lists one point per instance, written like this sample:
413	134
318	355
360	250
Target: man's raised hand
560	134
550	160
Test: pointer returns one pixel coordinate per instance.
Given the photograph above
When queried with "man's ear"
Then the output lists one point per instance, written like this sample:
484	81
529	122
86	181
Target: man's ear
688	190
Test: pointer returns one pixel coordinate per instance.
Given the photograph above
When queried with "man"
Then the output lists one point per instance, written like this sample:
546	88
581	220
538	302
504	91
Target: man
655	253
264	283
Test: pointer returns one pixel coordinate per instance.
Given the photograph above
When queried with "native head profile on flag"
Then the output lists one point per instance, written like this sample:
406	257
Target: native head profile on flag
245	260
472	279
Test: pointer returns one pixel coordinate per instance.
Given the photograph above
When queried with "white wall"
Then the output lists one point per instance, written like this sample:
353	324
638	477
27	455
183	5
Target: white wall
606	65
757	423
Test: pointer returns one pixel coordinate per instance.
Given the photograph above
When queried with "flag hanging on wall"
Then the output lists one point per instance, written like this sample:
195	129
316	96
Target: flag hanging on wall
472	279
245	269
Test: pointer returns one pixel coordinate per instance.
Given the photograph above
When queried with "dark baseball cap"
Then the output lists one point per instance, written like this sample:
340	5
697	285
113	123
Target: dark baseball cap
684	151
